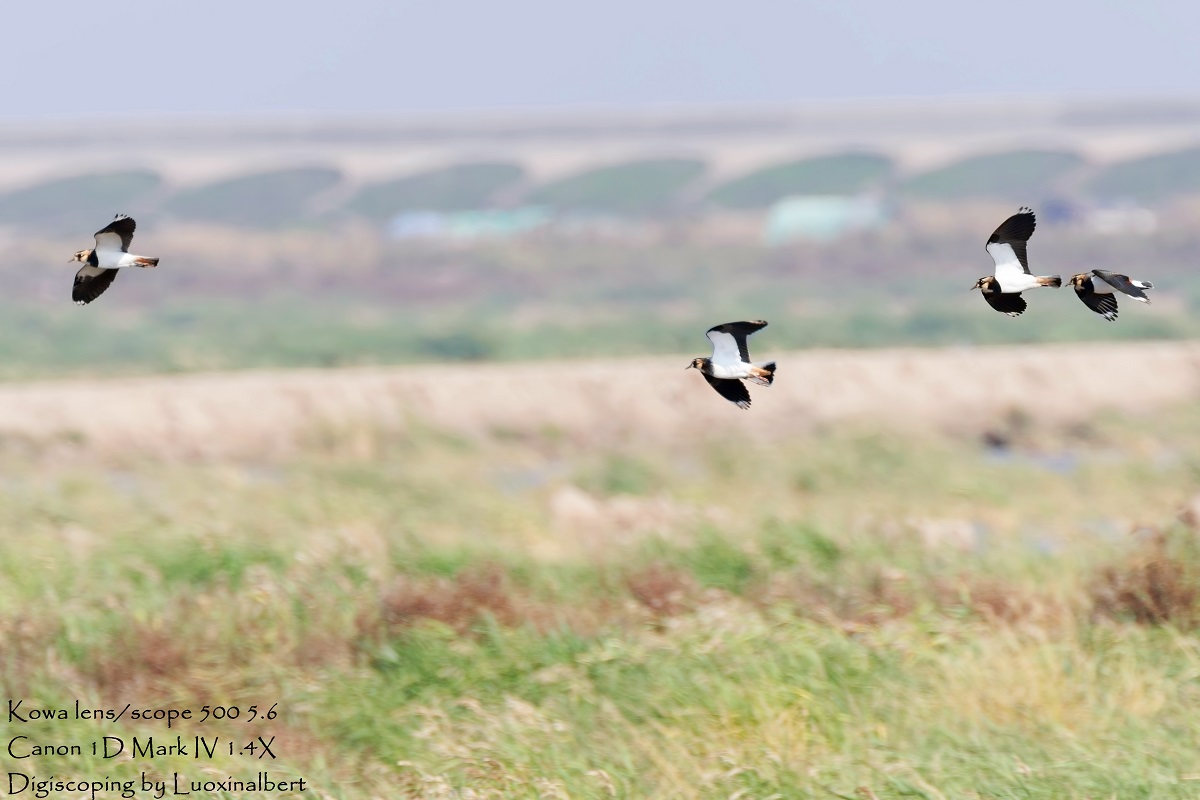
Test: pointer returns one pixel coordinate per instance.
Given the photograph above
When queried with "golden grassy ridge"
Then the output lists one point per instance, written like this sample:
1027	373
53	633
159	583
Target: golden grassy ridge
261	413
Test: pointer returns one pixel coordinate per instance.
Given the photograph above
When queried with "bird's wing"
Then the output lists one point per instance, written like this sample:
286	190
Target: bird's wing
1103	304
732	390
729	341
117	235
90	283
1122	283
1007	244
1012	303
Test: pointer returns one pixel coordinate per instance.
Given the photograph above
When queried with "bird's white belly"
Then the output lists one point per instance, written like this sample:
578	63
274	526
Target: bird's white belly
110	259
1016	283
730	370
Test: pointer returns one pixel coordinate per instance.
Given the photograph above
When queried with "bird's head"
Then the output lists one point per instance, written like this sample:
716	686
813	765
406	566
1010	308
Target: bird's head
1077	280
983	284
697	363
82	255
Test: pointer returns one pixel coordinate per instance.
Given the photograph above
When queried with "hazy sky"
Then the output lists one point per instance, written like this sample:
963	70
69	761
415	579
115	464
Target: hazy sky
72	57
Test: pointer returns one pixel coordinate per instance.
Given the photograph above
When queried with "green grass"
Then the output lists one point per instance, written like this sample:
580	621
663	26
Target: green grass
847	173
1023	175
637	187
1149	179
462	187
266	200
548	299
296	334
427	630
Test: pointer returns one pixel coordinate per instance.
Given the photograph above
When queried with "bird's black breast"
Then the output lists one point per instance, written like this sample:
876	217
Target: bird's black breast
93	260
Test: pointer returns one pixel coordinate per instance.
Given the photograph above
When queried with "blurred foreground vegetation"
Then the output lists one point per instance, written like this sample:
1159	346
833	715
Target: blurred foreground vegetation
855	613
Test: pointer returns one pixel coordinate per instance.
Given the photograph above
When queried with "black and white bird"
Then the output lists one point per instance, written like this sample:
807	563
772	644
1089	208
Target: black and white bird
100	264
730	362
1098	290
1007	248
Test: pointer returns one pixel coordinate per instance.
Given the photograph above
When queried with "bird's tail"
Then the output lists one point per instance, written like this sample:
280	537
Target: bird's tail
763	374
143	261
1050	280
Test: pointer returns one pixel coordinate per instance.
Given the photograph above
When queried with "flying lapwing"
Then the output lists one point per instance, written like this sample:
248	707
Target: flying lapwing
730	362
1007	248
101	263
1098	290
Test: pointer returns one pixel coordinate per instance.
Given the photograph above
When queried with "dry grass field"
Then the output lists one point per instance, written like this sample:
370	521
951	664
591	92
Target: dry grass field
958	573
380	501
271	413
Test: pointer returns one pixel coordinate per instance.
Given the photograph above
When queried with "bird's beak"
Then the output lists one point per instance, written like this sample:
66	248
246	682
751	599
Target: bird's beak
689	366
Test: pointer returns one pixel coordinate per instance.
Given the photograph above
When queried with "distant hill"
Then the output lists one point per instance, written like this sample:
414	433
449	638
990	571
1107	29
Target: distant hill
62	203
460	187
845	173
636	187
1150	179
1019	175
267	199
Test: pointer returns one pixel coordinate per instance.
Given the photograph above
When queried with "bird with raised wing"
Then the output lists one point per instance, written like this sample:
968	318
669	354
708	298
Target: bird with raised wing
100	264
1098	290
730	362
1007	247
